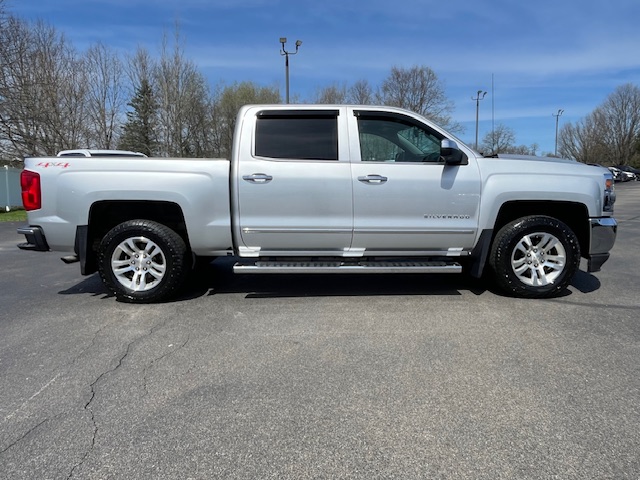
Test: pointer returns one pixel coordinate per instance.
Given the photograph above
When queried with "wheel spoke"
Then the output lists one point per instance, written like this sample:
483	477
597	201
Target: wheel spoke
122	269
524	245
141	281
538	259
129	247
120	264
152	249
138	264
557	261
157	272
517	263
548	243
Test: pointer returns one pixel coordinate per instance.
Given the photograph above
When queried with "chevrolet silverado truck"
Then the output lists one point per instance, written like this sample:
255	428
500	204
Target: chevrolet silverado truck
324	189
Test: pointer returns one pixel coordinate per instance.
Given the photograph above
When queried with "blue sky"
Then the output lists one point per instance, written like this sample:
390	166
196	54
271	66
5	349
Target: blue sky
543	55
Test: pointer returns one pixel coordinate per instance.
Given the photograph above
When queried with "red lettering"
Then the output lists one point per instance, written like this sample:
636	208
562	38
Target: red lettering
53	164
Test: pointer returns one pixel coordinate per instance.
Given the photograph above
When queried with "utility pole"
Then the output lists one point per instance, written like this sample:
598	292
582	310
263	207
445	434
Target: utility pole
480	95
557	115
286	54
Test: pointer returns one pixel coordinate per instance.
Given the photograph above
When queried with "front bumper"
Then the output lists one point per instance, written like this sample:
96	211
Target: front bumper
35	239
602	236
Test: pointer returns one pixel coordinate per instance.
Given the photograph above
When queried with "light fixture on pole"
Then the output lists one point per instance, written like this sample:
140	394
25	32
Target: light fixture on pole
286	54
479	97
557	115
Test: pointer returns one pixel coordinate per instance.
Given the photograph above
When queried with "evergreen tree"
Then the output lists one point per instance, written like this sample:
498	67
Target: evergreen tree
138	133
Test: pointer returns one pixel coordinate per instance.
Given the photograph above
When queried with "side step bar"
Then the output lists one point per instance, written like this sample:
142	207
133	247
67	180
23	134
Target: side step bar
348	267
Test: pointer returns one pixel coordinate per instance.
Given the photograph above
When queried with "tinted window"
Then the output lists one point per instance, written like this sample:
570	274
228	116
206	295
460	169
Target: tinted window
306	136
396	139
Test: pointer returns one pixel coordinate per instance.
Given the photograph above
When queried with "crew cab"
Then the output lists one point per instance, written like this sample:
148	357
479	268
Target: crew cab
324	189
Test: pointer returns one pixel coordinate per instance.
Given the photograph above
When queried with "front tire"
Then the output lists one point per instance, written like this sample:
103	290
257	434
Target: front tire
141	261
534	257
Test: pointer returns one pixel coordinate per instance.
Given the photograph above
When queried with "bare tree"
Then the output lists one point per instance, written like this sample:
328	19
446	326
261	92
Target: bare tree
182	95
333	94
583	141
501	140
419	89
361	93
619	120
140	67
105	96
42	90
608	135
524	149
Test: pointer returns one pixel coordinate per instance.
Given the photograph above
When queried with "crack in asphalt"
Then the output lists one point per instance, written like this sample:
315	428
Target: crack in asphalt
91	345
87	407
155	360
93	390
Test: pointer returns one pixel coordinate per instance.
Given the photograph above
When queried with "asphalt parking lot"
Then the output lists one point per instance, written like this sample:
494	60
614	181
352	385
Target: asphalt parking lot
320	377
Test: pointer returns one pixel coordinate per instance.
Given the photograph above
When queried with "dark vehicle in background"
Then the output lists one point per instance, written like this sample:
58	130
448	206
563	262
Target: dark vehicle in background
630	169
620	175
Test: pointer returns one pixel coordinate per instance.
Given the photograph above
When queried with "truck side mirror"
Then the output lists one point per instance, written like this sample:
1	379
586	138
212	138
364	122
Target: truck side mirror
451	153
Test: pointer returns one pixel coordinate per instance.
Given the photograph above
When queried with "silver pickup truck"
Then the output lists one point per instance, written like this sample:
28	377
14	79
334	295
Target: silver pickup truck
324	189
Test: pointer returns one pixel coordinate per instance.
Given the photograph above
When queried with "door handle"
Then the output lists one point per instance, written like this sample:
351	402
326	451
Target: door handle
373	179
258	178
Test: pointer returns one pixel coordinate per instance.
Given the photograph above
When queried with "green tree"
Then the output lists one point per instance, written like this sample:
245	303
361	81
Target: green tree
138	133
225	109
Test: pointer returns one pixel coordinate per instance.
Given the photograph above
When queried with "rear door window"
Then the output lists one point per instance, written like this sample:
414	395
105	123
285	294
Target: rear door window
302	135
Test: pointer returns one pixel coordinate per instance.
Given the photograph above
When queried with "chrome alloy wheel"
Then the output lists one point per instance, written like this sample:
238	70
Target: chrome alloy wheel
538	259
138	264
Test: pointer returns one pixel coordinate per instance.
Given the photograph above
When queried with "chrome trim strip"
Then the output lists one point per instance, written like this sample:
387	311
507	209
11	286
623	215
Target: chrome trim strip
416	231
296	230
249	230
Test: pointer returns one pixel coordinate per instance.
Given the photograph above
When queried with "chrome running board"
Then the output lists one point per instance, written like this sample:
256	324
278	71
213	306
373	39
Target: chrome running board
338	266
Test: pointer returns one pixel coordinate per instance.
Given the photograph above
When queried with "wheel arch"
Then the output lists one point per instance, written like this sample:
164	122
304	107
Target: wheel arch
574	214
104	215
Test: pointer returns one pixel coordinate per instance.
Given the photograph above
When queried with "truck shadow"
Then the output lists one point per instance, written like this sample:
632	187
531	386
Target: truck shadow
218	278
91	285
585	282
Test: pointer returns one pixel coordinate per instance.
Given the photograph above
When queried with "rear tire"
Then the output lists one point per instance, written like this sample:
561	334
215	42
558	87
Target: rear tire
141	261
534	257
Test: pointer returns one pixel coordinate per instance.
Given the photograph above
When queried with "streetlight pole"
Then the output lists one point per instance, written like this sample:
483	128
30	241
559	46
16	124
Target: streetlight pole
557	115
286	54
479	97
